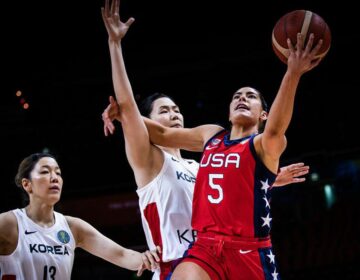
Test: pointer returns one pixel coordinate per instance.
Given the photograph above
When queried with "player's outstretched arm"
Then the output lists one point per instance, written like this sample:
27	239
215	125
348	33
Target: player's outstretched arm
92	241
291	174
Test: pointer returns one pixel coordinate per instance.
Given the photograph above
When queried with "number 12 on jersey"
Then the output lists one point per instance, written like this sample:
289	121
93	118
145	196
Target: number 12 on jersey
51	270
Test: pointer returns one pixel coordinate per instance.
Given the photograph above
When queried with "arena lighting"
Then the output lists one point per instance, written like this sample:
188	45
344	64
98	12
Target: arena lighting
23	103
314	176
329	195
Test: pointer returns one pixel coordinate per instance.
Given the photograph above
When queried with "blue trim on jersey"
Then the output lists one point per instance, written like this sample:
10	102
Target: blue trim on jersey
256	157
228	142
262	177
267	266
211	138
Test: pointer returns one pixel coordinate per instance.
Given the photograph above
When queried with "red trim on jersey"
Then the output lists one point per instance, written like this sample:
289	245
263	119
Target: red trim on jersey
8	277
152	217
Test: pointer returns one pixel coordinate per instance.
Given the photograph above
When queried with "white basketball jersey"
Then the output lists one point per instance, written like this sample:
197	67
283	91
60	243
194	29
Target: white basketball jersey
41	253
166	207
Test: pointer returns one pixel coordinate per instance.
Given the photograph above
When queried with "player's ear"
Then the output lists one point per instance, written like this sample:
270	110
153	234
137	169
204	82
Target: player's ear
26	184
263	116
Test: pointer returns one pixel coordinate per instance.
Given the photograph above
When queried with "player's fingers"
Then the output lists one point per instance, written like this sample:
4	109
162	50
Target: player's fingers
140	272
117	7
129	22
298	180
106	12
158	248
155	256
111	127
317	48
151	259
298	164
104	118
104	114
290	45
300	169
105	130
299	42
310	43
146	261
113	7
300	173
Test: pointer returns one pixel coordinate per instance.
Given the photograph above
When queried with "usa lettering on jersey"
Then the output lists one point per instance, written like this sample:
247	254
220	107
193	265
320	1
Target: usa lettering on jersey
221	160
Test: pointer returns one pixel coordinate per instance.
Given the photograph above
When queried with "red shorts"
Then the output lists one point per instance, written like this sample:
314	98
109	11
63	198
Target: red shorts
166	268
229	257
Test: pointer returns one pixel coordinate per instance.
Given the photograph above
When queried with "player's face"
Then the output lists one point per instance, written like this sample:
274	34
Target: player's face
167	113
246	108
46	182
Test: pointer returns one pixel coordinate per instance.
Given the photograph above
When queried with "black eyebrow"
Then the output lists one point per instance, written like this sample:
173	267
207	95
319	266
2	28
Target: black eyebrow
248	92
167	107
49	167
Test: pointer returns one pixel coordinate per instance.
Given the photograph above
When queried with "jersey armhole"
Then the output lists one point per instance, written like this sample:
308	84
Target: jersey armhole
211	138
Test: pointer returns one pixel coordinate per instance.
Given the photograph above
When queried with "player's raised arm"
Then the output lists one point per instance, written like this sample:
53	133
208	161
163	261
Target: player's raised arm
190	139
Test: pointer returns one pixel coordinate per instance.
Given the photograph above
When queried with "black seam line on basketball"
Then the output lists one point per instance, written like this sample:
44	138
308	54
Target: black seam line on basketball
29	232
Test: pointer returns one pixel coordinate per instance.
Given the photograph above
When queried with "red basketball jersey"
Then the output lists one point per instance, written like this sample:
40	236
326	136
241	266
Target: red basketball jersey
232	189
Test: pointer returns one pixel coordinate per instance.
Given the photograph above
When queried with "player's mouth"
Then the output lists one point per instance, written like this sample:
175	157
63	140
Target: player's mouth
54	188
241	106
177	126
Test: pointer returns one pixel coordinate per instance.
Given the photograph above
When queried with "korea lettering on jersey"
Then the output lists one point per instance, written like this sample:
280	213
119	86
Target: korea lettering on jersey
41	253
48	249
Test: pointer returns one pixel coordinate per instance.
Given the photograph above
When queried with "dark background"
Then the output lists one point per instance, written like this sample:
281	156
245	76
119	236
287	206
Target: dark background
199	52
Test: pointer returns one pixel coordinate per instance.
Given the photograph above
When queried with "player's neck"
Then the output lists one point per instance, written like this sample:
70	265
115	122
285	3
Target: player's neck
172	151
43	215
240	132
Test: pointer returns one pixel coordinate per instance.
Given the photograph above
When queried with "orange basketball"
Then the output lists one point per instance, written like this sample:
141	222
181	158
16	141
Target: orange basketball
304	22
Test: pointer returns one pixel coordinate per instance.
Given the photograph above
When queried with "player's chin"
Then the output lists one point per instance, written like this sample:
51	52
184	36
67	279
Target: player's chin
240	114
54	197
177	126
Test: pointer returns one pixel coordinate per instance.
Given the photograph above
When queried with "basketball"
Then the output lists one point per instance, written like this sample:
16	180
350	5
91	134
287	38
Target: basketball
304	22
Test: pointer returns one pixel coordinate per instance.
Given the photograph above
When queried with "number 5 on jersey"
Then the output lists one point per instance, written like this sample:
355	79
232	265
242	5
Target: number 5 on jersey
217	187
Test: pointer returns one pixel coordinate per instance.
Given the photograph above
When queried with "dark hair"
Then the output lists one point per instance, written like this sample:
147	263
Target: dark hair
26	166
263	102
146	105
265	108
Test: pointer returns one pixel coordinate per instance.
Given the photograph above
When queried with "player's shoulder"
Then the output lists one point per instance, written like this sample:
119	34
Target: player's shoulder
209	130
76	223
72	220
7	218
8	223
